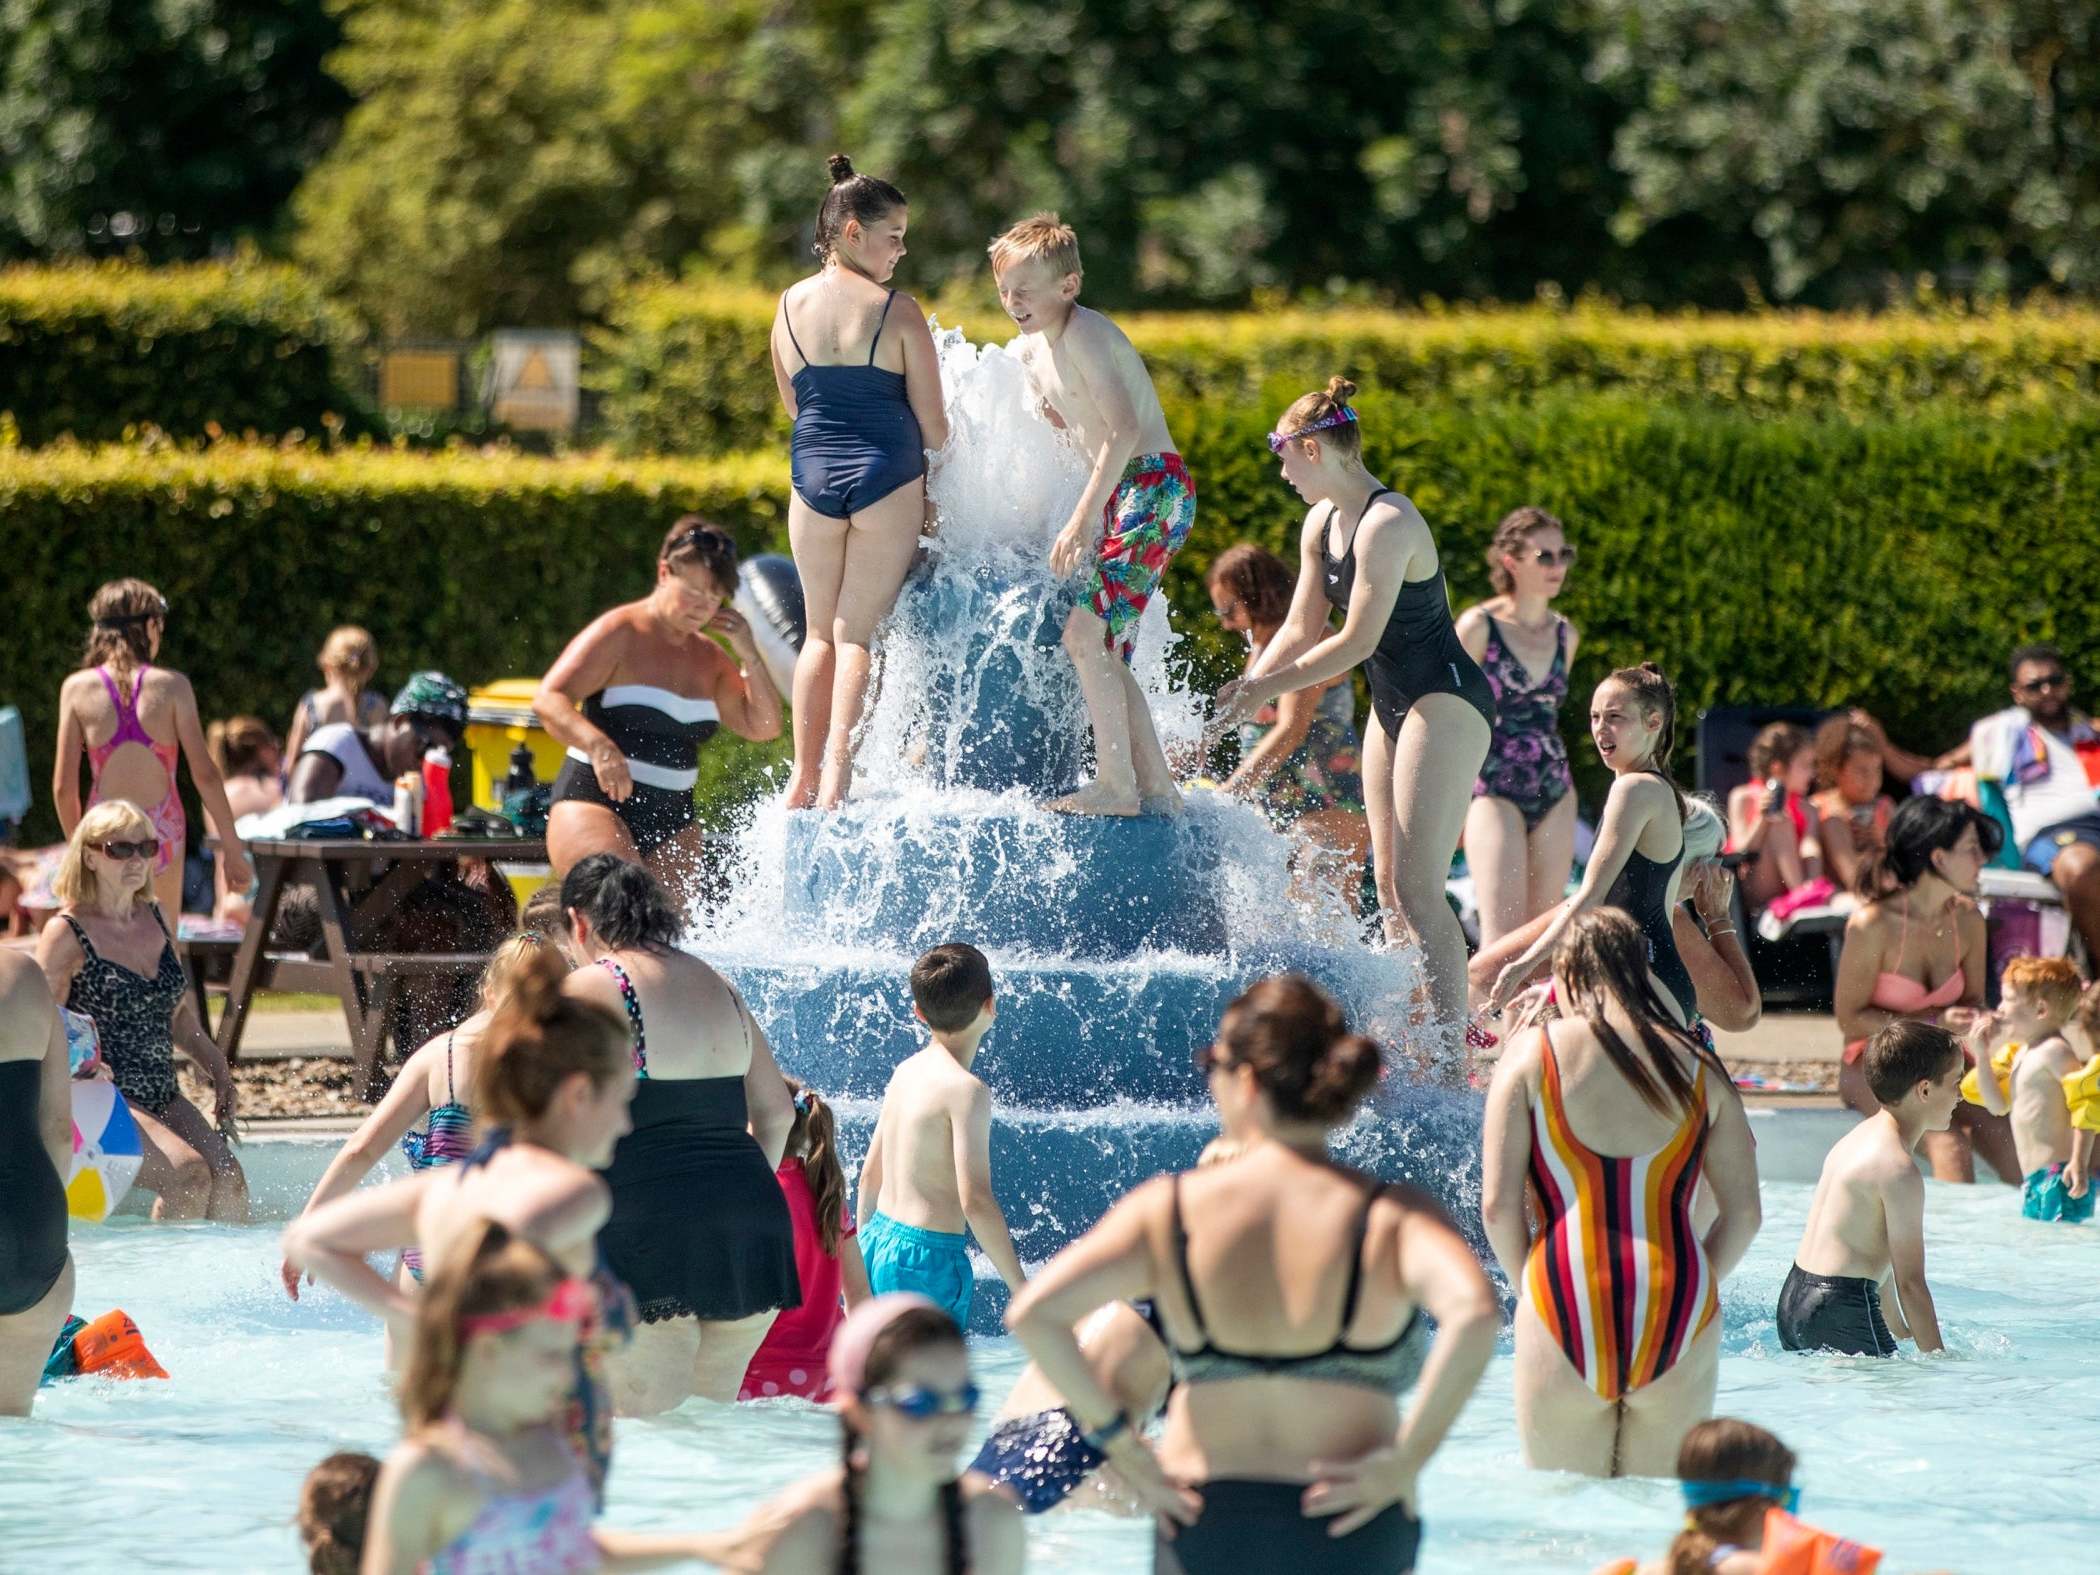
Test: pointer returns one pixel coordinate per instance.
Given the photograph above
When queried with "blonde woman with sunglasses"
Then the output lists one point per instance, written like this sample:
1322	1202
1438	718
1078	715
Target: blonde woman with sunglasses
110	956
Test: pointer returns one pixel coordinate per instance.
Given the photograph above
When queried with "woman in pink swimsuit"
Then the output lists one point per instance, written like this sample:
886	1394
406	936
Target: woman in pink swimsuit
131	719
1917	949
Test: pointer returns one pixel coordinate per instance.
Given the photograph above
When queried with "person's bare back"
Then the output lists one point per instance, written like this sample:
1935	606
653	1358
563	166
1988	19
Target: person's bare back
928	1102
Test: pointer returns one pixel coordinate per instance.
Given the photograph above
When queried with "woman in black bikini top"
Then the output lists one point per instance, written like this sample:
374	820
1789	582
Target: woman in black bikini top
1366	552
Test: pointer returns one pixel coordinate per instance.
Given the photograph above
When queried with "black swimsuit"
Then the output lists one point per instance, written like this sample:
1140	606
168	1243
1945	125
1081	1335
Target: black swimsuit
134	1018
32	1197
660	733
1419	652
1642	893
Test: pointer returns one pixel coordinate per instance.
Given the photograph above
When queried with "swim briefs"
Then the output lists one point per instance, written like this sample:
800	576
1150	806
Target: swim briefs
2045	1195
1040	1459
932	1263
1832	1312
1144	523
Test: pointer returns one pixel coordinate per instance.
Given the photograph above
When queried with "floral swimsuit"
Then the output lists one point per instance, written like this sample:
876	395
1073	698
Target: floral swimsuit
1527	760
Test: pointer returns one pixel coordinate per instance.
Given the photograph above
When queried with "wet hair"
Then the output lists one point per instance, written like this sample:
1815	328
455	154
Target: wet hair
489	1271
1347	438
1837	741
2053	981
335	1501
119	615
693	540
1921	827
626	905
1256	578
1722	1449
543	915
239	745
2020	658
538	1039
914	1329
1041	237
1658	696
1905	1053
1511	537
1602	958
949	986
1292	1034
860	197
1774	748
114	819
503	965
351	651
814	1139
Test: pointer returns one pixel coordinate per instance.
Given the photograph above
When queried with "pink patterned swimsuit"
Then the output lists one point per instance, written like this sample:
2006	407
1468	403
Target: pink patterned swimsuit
166	816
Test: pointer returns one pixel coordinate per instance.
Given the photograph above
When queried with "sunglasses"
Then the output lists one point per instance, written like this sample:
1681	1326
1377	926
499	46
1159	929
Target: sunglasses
917	1403
148	849
2035	686
1547	558
1211	1058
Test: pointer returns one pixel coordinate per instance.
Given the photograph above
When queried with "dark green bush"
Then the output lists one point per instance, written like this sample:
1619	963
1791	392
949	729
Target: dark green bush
90	351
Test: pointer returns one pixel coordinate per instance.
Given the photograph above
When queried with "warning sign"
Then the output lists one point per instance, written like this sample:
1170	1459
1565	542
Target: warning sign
533	378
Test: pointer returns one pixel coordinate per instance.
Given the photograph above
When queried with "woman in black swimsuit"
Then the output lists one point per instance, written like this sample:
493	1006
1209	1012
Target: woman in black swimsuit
700	1230
1367	553
1640	838
36	1270
653	683
1292	1292
108	955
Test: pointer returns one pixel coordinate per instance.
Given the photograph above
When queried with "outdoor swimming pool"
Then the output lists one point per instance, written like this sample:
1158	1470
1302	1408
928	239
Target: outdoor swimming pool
1934	1461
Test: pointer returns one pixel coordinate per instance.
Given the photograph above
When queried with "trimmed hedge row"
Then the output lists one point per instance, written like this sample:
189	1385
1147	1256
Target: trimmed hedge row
92	350
1887	562
482	564
685	368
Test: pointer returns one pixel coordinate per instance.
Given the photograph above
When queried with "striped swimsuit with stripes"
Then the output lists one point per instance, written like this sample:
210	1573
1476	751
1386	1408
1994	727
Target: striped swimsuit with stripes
1618	1276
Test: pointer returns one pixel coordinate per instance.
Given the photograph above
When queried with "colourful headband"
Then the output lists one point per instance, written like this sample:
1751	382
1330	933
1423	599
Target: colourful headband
1702	1495
568	1302
1339	416
856	1337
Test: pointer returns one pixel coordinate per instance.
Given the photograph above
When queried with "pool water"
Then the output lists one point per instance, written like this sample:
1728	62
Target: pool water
1977	1462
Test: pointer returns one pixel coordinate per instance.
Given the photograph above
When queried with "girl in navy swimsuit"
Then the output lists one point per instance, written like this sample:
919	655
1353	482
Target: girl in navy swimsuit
1431	707
1520	830
653	683
856	370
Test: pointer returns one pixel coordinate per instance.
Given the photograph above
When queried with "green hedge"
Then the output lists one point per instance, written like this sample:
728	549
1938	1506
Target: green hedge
1887	562
479	564
685	368
91	350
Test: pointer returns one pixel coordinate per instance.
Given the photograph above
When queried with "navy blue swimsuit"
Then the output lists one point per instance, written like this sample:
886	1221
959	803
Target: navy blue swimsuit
855	439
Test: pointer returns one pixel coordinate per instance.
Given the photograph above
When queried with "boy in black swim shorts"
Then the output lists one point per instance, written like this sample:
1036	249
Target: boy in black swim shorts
1866	1227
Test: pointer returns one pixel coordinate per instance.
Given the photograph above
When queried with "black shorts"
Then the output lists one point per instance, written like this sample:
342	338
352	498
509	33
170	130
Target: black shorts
1249	1525
1832	1312
653	816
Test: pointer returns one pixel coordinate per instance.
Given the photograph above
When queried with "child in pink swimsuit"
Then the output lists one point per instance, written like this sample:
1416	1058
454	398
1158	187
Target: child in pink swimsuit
128	618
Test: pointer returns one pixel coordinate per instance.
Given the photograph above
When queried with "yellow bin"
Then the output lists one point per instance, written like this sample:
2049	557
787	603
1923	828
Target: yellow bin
499	718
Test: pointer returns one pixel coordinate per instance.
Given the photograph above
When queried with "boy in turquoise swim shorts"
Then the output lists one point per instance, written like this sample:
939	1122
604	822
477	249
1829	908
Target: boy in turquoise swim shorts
1137	509
2022	1059
928	1174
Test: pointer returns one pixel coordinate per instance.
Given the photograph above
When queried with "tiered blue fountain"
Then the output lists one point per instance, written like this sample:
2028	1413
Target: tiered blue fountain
1115	944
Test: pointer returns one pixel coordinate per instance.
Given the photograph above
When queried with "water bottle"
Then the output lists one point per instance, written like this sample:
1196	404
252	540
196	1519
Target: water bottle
437	792
521	778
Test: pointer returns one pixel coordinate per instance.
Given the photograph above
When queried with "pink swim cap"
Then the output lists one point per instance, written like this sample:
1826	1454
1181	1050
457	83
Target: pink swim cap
857	1335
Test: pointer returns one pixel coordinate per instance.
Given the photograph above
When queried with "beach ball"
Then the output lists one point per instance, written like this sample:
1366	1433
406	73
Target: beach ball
106	1151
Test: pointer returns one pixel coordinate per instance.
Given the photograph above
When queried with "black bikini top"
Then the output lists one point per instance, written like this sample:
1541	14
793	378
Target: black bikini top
1391	1368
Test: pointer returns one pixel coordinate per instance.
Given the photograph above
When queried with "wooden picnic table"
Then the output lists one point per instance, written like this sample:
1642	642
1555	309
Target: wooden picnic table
358	884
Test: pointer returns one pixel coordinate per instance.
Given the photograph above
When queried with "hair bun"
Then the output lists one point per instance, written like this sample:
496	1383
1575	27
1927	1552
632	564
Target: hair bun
1340	390
841	168
1342	1077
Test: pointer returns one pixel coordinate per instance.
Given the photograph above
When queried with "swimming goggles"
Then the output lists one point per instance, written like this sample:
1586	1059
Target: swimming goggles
1699	1495
570	1302
921	1404
1340	416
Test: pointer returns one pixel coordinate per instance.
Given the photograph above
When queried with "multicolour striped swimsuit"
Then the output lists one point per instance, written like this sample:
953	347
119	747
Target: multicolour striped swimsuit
447	1138
1618	1276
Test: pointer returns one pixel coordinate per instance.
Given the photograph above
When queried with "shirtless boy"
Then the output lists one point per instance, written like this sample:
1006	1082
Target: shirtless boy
2038	996
1866	1225
1137	509
928	1173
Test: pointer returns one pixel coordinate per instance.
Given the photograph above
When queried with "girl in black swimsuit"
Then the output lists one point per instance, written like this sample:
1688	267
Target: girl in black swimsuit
1633	718
36	1271
1368	554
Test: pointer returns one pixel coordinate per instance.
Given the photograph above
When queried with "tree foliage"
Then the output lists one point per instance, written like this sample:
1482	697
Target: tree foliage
170	129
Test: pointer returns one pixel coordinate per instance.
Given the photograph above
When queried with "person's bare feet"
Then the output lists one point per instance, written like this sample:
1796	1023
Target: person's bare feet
837	781
1093	799
801	792
1167	805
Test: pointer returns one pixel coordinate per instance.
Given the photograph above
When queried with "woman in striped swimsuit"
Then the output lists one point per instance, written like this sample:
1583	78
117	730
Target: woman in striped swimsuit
1613	1114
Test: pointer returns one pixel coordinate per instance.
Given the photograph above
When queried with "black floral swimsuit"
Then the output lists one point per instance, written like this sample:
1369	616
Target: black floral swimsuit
134	1018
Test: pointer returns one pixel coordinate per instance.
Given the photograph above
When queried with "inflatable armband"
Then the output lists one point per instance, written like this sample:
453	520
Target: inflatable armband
1792	1548
2002	1060
111	1347
2082	1094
